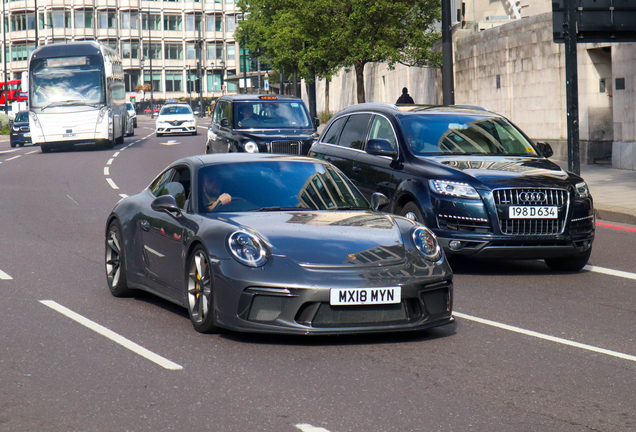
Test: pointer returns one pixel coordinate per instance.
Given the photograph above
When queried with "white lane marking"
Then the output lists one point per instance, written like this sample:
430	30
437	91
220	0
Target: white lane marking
106	171
202	127
72	199
126	343
9	151
309	428
112	183
160	255
5	276
623	274
110	161
116	154
546	337
123	195
14	157
170	143
34	151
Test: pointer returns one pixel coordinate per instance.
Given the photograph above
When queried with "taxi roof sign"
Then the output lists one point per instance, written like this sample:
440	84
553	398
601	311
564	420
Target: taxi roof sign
268	97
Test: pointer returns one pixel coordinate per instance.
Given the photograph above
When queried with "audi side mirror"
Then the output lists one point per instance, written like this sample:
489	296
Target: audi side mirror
545	149
225	122
378	200
166	203
380	147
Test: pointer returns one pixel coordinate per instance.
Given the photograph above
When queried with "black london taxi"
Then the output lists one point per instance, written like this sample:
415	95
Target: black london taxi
477	181
19	130
260	124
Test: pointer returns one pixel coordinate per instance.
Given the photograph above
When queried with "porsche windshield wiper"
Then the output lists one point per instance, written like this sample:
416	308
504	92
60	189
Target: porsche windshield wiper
349	208
263	209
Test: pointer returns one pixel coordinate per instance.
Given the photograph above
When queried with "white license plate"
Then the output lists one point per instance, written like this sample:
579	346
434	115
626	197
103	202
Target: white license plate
27	135
364	296
69	135
533	212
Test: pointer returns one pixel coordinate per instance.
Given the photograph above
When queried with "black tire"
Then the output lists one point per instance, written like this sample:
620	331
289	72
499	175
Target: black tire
115	262
135	123
45	148
199	292
108	144
412	211
570	263
12	144
195	133
21	145
120	140
159	135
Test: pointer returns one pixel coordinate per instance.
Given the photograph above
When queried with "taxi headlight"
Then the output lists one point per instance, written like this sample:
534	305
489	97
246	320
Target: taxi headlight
247	249
582	190
250	147
426	242
462	190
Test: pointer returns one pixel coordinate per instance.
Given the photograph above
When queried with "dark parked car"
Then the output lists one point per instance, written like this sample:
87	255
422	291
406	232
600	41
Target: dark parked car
260	124
271	243
476	180
20	132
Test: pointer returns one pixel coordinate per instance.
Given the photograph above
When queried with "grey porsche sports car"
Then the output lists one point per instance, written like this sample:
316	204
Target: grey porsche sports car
276	244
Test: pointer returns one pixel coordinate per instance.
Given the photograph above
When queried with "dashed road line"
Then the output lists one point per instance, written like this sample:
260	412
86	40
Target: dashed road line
8	151
545	337
5	276
110	161
34	151
309	428
123	195
14	157
126	343
116	154
112	183
603	270
106	171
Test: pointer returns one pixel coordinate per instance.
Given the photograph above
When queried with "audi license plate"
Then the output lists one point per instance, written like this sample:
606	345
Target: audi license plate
533	212
364	296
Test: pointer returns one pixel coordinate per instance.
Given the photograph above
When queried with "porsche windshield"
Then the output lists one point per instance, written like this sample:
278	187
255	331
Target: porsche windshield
435	134
271	114
276	185
67	81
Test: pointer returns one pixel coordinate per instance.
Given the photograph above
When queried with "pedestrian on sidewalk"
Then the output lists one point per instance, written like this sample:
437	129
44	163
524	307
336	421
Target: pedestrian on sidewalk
405	98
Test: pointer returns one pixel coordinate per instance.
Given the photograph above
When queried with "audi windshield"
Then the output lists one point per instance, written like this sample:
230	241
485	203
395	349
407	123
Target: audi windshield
271	115
433	135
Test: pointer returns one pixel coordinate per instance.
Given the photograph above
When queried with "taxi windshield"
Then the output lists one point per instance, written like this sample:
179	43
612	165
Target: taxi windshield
437	134
271	115
175	110
276	185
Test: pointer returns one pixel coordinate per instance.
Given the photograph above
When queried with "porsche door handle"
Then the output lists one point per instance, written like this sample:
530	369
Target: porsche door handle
357	168
145	225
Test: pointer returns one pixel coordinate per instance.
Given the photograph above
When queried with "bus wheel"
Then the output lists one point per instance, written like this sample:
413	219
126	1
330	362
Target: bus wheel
44	148
108	144
120	140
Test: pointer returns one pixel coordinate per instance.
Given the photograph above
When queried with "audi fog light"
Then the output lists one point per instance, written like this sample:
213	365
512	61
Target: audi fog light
455	244
426	242
462	190
581	190
251	147
247	249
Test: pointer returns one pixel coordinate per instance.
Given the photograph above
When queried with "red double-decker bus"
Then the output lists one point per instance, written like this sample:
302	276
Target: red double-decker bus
11	90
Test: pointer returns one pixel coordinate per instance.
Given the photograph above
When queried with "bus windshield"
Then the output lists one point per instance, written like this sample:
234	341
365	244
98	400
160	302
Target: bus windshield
67	81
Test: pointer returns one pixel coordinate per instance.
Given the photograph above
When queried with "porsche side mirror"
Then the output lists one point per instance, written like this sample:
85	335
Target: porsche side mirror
545	149
378	200
225	122
166	203
380	147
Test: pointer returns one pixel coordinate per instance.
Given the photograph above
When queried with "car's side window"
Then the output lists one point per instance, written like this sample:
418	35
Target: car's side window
354	133
227	112
332	135
217	112
180	189
381	129
157	187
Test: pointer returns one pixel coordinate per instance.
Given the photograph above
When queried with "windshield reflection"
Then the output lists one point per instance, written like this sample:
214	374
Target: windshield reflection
276	186
267	115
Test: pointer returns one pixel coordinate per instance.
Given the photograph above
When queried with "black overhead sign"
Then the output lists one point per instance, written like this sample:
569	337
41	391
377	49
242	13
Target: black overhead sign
597	20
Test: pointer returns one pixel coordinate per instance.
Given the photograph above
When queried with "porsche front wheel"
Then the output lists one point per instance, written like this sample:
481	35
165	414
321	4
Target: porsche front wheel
115	263
199	286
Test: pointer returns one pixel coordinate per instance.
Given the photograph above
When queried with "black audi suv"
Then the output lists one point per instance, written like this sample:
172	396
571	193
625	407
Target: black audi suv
470	175
260	124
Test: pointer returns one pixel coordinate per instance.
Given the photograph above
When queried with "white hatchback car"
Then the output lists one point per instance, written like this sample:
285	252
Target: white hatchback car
176	118
132	114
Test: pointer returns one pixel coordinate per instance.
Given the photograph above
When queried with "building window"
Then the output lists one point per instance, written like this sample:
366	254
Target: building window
130	50
172	22
107	20
218	23
131	80
22	22
55	19
230	86
156	81
246	60
231	23
174	51
83	18
193	22
129	20
173	82
192	78
20	52
155	22
214	81
192	52
156	51
231	52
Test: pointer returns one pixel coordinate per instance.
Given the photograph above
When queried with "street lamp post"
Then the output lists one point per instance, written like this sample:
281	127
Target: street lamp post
152	103
4	54
142	62
222	63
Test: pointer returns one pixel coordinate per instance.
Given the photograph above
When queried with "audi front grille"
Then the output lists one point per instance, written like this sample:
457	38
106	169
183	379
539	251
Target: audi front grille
504	198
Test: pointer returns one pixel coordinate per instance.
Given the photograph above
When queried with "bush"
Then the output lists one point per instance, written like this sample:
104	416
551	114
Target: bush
325	116
4	124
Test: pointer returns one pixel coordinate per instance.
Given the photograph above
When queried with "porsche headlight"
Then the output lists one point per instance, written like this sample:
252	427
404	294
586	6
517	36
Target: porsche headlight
250	147
462	190
426	242
247	249
581	190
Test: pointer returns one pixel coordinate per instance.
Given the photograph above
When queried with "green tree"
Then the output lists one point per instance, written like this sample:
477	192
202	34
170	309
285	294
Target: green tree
321	36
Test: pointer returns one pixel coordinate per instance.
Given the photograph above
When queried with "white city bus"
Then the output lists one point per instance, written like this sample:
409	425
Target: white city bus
76	96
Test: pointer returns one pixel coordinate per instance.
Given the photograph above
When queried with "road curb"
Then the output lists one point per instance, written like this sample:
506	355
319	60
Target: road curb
616	214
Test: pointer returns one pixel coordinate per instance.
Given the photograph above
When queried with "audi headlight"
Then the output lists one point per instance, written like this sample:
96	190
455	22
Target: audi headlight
426	242
581	190
250	147
462	190
247	249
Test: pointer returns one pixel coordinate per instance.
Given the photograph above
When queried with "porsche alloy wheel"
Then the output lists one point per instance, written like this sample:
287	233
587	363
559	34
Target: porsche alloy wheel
200	304
115	266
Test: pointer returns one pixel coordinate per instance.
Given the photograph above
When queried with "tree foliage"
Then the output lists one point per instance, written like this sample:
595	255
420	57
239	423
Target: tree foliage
318	37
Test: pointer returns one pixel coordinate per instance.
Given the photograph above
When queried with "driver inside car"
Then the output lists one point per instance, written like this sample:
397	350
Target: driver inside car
247	117
212	189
